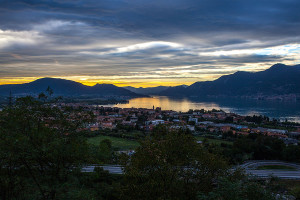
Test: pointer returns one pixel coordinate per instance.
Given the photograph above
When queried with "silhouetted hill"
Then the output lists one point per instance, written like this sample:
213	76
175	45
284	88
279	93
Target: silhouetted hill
174	91
151	90
65	88
278	80
147	91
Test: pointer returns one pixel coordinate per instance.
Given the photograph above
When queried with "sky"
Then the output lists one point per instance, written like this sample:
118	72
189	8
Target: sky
144	43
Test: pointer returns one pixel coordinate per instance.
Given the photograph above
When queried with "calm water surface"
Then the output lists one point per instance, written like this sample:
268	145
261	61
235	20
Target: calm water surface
273	109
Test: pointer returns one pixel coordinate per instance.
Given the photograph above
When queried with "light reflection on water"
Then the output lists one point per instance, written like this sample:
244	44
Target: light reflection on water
273	109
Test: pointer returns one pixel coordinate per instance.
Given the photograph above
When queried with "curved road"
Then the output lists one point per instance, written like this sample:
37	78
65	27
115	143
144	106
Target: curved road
249	167
253	164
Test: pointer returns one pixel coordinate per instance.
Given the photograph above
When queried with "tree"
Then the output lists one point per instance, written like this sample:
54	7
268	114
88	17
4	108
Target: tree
237	190
43	97
258	147
292	153
104	151
49	90
41	151
171	166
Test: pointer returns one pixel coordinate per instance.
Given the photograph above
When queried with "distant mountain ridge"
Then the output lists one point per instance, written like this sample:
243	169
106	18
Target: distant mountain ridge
150	90
279	79
66	88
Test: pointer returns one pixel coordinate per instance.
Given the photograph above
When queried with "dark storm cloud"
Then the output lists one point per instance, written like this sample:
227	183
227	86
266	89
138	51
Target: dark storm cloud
124	37
163	18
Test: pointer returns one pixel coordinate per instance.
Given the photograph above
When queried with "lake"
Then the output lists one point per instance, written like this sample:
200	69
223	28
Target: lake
273	109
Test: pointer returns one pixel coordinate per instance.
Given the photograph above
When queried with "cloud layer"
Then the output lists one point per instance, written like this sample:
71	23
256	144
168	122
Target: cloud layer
141	42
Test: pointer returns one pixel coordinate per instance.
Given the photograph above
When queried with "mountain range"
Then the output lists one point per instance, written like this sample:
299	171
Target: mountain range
279	79
66	88
150	90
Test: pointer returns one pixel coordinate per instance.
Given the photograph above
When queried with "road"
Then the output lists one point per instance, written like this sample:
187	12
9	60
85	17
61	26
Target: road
275	173
249	168
253	164
113	169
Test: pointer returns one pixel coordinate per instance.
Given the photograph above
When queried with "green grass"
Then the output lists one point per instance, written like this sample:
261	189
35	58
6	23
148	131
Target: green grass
117	143
276	167
292	186
126	144
214	141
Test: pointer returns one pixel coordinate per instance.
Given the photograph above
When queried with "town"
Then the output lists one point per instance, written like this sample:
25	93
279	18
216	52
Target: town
214	123
116	147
